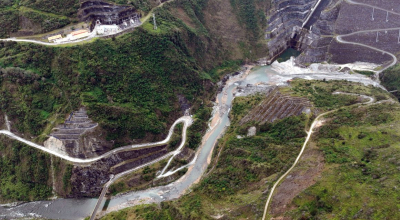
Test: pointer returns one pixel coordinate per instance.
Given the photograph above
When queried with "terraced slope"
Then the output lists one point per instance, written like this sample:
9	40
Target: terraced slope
105	12
77	123
70	133
276	106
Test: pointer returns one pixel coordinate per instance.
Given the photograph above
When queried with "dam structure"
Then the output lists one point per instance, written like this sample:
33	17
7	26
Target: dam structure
290	25
99	11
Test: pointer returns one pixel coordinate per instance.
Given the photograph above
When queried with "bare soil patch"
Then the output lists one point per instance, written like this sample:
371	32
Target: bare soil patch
181	14
223	22
354	18
384	40
303	176
347	53
390	5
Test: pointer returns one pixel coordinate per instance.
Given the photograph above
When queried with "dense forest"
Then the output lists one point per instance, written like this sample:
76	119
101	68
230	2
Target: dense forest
24	172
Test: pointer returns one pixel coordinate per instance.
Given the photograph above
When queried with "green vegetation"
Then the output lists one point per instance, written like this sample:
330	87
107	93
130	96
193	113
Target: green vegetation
145	178
67	177
24	172
143	5
247	13
197	129
249	160
320	92
9	22
360	147
62	7
138	180
35	17
390	78
361	175
129	85
46	22
367	73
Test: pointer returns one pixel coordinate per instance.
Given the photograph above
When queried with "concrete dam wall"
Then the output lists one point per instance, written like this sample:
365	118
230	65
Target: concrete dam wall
285	18
290	23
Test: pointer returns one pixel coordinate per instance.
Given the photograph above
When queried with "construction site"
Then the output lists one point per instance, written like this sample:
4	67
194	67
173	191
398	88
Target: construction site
98	19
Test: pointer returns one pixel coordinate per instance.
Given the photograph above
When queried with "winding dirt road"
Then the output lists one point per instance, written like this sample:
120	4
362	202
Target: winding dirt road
339	38
309	133
186	120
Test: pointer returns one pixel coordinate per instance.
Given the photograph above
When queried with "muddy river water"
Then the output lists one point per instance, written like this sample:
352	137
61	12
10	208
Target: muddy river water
81	208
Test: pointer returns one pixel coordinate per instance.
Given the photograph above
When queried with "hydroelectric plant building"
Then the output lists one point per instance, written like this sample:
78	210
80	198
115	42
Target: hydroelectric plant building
107	29
79	34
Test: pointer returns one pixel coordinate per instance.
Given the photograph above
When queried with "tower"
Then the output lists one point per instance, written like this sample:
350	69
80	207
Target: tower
154	21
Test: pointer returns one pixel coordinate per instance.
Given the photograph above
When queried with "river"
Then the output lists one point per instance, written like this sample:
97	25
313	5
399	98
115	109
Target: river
81	208
276	74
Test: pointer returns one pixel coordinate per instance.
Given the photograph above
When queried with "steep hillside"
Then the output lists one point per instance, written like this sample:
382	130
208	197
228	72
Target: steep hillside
117	77
235	184
28	17
133	86
356	152
24	172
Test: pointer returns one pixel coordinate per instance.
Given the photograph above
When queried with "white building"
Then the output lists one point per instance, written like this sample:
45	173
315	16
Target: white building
106	29
79	34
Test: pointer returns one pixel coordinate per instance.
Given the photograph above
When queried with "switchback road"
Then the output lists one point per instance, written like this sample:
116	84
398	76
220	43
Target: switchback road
339	38
186	120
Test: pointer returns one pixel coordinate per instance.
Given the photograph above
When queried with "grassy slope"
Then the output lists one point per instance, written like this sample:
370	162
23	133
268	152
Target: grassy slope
361	172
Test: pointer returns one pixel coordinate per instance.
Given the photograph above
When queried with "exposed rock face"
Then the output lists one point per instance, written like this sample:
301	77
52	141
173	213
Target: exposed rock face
276	106
78	137
251	132
331	18
88	181
342	18
106	13
55	144
284	17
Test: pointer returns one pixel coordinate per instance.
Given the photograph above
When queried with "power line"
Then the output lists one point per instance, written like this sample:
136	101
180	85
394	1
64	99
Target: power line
373	10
